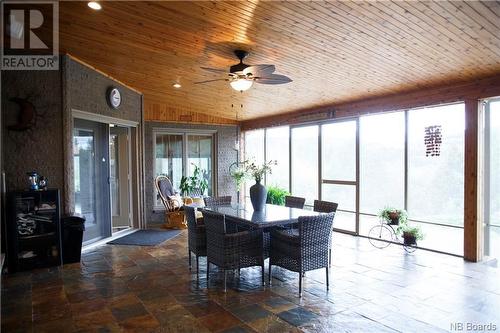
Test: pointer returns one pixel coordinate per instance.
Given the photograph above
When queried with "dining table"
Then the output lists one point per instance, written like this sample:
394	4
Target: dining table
271	216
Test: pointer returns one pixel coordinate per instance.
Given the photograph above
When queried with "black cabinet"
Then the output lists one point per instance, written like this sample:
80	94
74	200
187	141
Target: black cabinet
33	230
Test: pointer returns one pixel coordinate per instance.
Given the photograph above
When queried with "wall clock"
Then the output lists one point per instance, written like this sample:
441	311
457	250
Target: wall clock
114	97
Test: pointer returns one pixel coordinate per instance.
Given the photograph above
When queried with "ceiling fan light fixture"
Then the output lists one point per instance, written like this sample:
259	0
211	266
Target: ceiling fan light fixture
241	84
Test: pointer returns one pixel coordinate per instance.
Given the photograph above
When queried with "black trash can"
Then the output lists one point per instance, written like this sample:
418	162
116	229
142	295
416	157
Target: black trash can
72	236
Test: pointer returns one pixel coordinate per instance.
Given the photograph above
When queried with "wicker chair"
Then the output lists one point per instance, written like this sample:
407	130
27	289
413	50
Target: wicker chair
326	207
197	237
165	190
231	251
304	249
217	201
294	202
174	216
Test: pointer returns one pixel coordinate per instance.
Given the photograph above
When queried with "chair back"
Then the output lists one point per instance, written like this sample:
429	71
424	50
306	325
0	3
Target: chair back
325	206
190	213
217	201
215	225
214	222
294	202
315	230
165	189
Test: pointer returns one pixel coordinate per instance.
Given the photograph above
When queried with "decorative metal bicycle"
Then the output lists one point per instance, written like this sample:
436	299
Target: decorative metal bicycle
383	235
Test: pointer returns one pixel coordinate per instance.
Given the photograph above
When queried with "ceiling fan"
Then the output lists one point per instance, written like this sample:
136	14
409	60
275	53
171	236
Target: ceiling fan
242	76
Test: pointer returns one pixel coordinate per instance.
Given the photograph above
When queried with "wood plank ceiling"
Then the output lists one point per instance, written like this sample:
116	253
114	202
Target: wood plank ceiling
334	51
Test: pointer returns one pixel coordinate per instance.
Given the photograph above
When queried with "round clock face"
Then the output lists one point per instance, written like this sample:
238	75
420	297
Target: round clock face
114	98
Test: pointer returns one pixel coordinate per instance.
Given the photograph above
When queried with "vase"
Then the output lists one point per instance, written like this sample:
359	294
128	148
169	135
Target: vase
258	196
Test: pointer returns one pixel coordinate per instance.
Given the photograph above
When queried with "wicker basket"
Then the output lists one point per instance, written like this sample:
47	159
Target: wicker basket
175	220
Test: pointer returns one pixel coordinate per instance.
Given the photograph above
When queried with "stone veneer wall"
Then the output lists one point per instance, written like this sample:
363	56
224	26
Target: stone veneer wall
85	90
47	147
225	156
41	147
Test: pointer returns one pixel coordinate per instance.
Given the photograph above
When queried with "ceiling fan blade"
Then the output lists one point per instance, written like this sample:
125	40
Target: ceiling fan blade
215	70
273	79
259	70
207	81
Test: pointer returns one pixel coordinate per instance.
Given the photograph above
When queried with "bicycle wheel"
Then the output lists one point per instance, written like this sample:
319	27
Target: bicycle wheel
380	236
410	248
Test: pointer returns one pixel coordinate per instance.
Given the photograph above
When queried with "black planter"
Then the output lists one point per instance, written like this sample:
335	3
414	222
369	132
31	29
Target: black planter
258	196
394	221
409	239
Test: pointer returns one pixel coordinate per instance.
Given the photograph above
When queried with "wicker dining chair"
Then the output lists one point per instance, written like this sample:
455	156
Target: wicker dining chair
294	202
217	201
231	251
304	249
326	207
197	237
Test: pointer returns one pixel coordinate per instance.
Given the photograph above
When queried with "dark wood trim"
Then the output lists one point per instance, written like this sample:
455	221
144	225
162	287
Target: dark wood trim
472	223
446	93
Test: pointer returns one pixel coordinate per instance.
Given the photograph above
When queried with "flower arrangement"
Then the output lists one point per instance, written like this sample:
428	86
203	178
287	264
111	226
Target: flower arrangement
258	172
247	169
240	174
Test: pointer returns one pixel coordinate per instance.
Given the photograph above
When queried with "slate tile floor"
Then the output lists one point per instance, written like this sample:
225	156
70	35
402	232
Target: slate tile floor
150	289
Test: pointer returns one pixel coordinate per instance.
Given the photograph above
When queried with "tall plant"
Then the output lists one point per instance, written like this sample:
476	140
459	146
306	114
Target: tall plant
198	181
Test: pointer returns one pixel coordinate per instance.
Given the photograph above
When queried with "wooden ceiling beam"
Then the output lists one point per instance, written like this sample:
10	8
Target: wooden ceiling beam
472	90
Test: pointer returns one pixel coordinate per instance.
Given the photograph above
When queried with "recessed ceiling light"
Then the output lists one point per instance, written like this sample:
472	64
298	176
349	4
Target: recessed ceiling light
176	85
94	5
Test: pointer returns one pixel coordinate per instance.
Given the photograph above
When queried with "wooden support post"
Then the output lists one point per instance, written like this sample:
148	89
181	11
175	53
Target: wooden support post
472	222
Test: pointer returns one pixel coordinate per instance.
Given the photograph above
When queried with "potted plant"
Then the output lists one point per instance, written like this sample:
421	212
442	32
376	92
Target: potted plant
393	216
195	184
258	192
276	195
411	235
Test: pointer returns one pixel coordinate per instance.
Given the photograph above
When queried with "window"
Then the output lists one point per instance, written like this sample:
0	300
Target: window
277	148
305	162
436	177
168	158
200	155
494	164
254	152
382	164
338	145
175	154
338	157
492	179
254	146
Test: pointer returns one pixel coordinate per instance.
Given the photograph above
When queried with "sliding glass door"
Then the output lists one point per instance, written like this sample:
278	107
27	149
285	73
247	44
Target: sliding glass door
91	172
177	153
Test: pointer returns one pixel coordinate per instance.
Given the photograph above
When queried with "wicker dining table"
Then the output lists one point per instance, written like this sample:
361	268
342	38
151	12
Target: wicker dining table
271	216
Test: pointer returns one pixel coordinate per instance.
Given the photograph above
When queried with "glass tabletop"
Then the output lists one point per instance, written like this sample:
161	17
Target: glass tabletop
272	215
